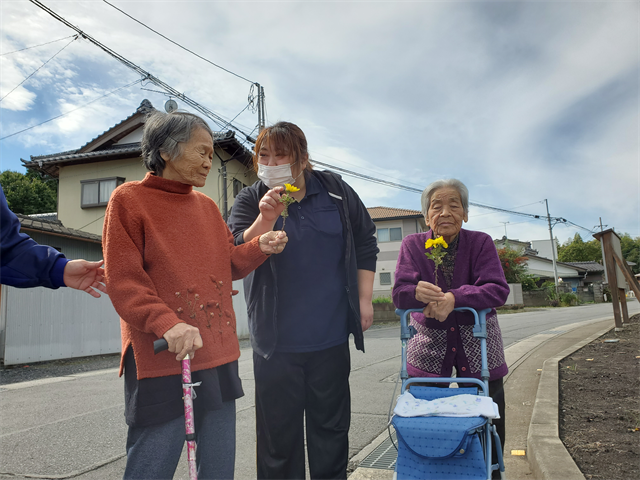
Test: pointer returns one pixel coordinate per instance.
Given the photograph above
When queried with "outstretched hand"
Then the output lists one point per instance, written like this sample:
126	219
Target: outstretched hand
273	242
85	276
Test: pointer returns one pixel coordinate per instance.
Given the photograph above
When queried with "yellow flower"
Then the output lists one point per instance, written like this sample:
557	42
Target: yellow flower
290	188
438	241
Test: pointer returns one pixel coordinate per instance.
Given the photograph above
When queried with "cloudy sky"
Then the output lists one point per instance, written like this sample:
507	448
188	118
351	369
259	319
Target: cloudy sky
522	101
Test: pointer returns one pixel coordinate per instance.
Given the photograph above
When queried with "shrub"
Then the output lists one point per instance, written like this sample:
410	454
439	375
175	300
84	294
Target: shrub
514	264
568	299
529	282
382	300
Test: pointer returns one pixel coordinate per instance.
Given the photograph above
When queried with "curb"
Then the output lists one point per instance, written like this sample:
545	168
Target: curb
548	457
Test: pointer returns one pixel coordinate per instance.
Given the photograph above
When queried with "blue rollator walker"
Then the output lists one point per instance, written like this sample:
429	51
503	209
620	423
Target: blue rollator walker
445	448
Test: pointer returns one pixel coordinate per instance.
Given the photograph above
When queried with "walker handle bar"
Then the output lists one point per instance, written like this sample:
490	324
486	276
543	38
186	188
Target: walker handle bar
160	345
479	330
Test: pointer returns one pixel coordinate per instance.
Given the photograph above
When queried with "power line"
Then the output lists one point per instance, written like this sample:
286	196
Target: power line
177	44
220	121
70	111
417	190
75	37
35	46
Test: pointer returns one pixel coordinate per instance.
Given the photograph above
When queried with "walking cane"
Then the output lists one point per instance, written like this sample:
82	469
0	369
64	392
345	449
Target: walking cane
187	392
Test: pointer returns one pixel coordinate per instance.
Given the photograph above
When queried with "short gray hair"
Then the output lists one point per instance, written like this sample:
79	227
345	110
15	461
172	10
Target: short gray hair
451	182
164	133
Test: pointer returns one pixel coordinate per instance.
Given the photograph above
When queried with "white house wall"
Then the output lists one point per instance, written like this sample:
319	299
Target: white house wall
387	258
70	212
545	269
72	215
40	324
133	137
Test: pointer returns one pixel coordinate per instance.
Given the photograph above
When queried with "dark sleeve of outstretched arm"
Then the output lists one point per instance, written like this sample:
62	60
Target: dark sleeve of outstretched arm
25	263
244	212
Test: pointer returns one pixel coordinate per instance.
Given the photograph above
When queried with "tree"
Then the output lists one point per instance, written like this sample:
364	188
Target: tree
577	250
631	251
514	265
29	193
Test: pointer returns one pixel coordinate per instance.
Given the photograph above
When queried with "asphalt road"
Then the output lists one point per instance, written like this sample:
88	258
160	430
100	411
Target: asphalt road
73	425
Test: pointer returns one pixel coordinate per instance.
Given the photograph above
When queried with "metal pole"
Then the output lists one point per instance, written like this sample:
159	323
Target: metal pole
225	206
261	119
553	250
505	229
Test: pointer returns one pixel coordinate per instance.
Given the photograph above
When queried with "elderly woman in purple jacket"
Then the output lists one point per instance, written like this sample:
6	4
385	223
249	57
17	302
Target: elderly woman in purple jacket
470	276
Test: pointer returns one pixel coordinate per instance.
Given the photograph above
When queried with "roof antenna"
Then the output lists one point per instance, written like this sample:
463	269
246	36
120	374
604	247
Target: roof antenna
170	106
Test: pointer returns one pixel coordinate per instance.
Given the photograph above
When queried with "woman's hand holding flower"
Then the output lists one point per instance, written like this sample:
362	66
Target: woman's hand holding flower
441	309
273	242
428	292
270	205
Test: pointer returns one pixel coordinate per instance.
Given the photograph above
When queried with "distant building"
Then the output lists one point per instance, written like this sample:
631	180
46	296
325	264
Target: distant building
541	265
392	225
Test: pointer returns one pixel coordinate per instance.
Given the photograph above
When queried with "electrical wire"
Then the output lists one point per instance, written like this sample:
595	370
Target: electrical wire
73	110
576	225
177	44
75	37
35	46
146	75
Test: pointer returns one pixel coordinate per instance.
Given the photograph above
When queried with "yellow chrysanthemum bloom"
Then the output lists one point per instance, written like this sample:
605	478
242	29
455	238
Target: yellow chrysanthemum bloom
290	188
440	241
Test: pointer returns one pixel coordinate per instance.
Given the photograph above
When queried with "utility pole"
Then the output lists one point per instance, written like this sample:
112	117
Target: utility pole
261	110
553	250
505	229
601	226
225	202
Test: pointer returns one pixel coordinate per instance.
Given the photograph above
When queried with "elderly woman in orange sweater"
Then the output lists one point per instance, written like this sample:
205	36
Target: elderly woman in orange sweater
170	260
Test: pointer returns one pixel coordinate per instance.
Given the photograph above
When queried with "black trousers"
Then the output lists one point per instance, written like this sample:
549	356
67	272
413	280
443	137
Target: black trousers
496	392
292	388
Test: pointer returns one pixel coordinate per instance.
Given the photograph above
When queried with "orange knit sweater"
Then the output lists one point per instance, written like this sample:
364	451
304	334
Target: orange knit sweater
170	258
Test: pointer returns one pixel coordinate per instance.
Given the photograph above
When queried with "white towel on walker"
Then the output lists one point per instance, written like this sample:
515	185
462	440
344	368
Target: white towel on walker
456	406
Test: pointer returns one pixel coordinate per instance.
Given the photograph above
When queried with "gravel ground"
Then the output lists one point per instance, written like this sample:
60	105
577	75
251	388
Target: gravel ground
60	368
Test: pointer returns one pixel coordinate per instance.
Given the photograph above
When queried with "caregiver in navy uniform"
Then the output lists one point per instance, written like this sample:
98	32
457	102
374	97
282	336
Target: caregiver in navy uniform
303	304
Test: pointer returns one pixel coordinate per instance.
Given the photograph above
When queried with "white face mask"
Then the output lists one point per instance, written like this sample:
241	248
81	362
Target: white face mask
277	175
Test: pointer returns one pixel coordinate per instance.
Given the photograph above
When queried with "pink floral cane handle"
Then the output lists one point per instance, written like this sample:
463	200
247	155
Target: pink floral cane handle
189	425
187	395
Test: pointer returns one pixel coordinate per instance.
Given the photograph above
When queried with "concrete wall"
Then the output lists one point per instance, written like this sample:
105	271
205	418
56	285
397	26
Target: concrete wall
515	295
535	298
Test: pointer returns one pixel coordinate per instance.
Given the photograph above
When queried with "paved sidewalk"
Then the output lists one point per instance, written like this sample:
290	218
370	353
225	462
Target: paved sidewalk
525	359
73	426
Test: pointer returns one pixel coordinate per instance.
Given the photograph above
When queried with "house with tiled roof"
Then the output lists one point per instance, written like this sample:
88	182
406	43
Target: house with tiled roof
594	271
46	229
89	174
392	225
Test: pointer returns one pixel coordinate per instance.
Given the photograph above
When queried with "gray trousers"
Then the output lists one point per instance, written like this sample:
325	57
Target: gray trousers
153	452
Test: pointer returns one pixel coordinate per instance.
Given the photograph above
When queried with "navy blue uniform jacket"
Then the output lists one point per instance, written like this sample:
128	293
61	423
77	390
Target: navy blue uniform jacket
25	263
260	286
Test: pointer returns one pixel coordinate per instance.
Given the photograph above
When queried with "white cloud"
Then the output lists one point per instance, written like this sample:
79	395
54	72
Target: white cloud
521	100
